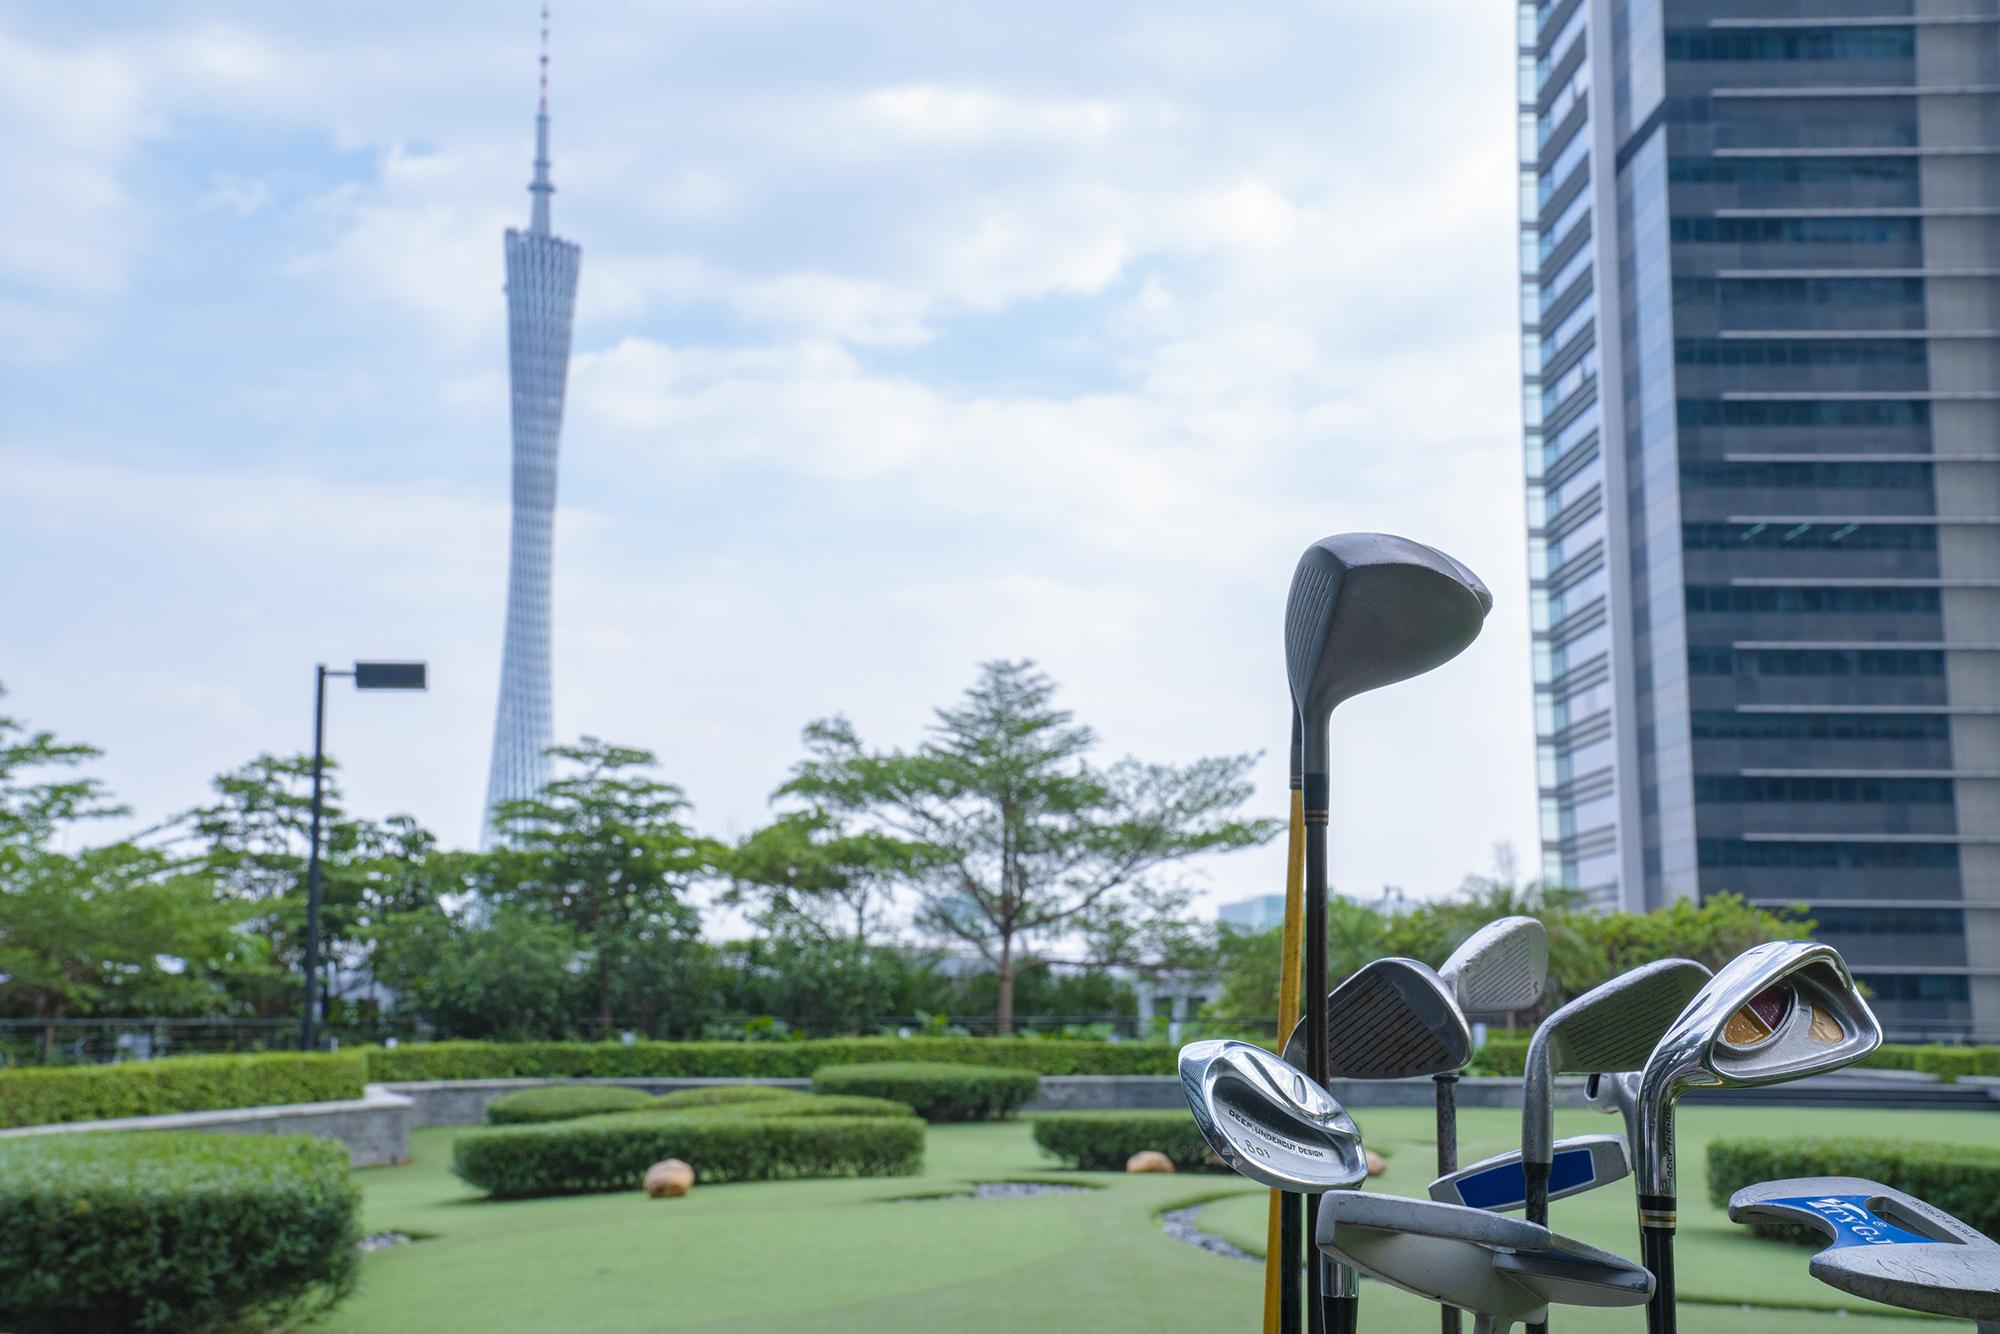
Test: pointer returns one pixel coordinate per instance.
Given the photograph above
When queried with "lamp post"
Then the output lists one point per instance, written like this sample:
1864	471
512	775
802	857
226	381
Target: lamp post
366	676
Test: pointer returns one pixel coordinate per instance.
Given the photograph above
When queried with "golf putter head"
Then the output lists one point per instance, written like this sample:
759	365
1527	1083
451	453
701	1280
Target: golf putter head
1502	967
1612	1027
1367	610
1776	1012
1390	1019
1500	1184
1504	1270
1268	1122
1884	1244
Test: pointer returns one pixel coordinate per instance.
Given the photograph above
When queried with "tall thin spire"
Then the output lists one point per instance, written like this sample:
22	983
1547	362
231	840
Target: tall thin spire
541	188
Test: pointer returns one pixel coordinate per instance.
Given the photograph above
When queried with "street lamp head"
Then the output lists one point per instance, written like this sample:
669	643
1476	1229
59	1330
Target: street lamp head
389	676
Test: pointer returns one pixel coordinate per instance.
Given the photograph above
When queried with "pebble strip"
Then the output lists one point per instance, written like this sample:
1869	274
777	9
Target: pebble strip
1179	1224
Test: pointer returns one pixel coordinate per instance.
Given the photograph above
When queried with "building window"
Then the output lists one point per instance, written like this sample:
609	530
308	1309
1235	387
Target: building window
1904	987
1810	536
1816	789
1830	856
1723	725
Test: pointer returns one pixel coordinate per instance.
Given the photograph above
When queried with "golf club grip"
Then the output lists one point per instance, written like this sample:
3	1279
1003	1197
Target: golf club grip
1446	1087
1316	788
1537	1211
1291	1240
1656	1252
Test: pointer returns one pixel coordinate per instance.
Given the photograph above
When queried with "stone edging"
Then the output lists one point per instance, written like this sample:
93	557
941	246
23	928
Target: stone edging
375	1127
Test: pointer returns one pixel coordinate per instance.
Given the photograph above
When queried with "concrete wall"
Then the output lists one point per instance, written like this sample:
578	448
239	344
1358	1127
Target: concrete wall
375	1127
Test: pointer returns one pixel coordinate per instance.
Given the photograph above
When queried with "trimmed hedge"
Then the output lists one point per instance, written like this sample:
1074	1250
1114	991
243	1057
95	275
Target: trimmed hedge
1947	1063
768	1060
938	1092
162	1231
1963	1180
807	1104
603	1153
1502	1056
726	1096
44	1095
1102	1141
564	1102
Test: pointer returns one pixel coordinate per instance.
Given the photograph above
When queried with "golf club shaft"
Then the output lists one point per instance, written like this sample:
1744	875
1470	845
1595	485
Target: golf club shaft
1341	1304
1316	793
1537	1211
1656	1252
1281	1267
1446	1086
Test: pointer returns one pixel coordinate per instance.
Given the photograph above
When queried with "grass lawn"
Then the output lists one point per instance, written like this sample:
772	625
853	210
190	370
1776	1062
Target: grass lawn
843	1256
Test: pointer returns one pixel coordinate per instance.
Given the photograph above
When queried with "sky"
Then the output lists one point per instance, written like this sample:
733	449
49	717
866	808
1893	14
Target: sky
910	334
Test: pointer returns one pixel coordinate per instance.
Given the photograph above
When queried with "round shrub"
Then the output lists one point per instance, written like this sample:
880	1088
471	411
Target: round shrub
600	1153
725	1095
1961	1179
937	1092
564	1102
1102	1141
183	1232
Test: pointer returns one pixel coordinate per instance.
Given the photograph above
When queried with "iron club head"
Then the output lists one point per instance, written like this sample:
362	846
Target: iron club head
1776	1012
1502	967
1608	1028
1268	1122
1884	1244
1391	1019
1367	610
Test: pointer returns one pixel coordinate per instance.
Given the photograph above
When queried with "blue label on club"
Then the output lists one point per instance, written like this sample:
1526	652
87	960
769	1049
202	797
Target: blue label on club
1854	1223
1505	1186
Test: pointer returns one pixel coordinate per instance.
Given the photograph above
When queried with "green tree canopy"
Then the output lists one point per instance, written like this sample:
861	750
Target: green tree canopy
1013	832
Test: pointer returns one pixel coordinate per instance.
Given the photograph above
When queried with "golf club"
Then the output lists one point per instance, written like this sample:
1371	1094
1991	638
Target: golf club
1285	1228
1617	1095
1365	610
1500	968
1503	1270
1885	1245
1500	1185
1609	1028
1267	1121
1778	1011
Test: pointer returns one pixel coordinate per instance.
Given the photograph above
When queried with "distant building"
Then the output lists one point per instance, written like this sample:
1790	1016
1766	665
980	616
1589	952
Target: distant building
541	302
1266	912
1760	298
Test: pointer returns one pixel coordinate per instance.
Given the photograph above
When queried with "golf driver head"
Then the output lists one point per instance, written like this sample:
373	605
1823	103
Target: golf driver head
1502	967
1391	1019
1267	1121
1611	1027
1500	1183
1504	1270
1367	610
1776	1012
1884	1244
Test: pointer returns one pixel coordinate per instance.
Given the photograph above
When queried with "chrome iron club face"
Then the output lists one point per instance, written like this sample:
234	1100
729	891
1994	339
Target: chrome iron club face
1391	1019
1504	1270
1268	1122
1777	1012
1885	1245
1502	967
1609	1028
1500	1183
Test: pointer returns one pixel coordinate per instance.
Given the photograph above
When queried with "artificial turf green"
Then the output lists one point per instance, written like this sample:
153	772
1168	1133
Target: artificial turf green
844	1256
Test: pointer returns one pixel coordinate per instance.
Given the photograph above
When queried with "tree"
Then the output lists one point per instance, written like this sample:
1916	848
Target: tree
813	865
1012	832
508	976
117	926
603	851
33	805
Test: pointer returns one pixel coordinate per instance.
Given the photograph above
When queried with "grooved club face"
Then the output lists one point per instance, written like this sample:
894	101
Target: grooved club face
1609	1028
1391	1019
1268	1121
1777	1012
1501	967
1367	610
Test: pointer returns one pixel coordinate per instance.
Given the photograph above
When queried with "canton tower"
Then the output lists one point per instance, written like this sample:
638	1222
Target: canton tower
541	301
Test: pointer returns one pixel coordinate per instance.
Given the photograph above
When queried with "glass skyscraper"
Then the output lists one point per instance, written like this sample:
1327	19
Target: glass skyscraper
1760	307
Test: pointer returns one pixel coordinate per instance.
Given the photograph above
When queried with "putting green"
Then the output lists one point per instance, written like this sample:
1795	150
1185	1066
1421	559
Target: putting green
846	1256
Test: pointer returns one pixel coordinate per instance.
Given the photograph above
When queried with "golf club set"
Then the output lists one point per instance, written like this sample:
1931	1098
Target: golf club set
1368	610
